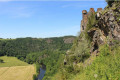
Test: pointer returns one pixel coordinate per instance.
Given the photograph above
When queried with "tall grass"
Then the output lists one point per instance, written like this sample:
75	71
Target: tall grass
105	67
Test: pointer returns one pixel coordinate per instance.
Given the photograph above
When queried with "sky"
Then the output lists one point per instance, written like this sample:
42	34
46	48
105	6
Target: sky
41	19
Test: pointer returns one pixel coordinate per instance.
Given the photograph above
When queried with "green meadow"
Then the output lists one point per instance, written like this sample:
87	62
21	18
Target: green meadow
11	61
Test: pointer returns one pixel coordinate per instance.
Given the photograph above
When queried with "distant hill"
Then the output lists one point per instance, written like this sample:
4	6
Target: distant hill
20	47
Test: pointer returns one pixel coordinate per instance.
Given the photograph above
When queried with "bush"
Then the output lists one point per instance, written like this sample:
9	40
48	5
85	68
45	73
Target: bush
91	22
37	68
110	2
1	61
70	69
104	50
34	77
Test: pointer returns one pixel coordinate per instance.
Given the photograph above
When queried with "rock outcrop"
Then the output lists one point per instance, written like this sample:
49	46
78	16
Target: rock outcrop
107	26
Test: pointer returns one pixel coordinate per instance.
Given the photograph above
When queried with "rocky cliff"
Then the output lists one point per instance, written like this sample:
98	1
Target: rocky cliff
106	26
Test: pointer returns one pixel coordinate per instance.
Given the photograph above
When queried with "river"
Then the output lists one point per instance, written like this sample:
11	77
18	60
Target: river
42	73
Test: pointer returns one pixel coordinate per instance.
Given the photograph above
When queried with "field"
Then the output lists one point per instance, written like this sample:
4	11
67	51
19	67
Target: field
14	69
11	61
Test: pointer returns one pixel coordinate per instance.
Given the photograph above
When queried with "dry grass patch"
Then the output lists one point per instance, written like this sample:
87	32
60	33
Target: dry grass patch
17	73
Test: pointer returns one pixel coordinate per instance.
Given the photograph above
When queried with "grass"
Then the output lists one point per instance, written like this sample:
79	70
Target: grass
12	61
105	67
14	69
17	73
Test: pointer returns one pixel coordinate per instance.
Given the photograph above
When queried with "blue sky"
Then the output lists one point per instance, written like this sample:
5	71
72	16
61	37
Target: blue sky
42	19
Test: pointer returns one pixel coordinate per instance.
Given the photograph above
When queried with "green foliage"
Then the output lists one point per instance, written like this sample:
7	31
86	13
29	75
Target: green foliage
34	77
70	68
52	59
21	47
78	54
52	62
32	58
81	52
91	22
1	61
105	50
104	67
37	69
111	1
11	61
75	44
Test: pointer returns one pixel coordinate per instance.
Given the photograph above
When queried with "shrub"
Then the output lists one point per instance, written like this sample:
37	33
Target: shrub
70	69
34	77
37	68
91	22
1	61
111	1
104	50
78	69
